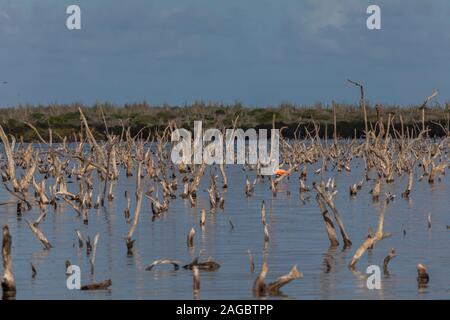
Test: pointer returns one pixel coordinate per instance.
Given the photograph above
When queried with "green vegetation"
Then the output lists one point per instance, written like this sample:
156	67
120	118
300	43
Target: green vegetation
65	119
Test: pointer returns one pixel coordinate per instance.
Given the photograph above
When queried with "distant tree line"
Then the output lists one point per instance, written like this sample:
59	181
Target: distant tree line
297	120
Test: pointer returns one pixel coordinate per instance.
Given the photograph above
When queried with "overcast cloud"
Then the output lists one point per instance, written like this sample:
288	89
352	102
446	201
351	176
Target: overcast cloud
260	52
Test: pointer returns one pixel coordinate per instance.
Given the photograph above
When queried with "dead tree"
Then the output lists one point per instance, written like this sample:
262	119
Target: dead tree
137	211
8	282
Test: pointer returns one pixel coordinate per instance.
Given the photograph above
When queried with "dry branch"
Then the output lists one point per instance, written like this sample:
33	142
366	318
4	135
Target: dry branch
8	282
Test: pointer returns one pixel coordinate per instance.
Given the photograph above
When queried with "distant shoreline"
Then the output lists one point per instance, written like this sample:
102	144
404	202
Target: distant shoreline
64	120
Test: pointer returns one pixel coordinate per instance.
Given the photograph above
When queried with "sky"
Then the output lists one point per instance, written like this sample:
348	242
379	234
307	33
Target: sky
258	52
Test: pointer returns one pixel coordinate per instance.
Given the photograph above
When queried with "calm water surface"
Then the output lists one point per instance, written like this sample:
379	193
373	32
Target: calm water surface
297	236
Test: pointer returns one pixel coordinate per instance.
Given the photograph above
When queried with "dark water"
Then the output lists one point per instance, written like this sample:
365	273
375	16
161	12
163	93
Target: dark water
297	236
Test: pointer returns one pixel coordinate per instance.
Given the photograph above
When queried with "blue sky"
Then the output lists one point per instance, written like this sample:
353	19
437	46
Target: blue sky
259	52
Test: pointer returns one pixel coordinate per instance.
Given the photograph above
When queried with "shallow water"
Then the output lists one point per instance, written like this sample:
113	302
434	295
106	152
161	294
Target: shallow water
297	236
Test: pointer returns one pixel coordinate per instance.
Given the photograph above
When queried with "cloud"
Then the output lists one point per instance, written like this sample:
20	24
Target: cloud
258	51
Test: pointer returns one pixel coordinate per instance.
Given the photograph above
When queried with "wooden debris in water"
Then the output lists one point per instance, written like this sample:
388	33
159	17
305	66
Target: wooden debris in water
190	238
370	240
33	271
208	265
376	191
263	219
353	190
80	238
39	235
407	192
274	287
329	226
422	275
203	218
327	197
137	211
386	260
88	246
8	282
127	209
175	263
249	187
231	225
196	279
98	286
252	261
260	288
94	252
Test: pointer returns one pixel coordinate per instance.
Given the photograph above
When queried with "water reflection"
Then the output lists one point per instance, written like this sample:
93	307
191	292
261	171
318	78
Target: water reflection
297	236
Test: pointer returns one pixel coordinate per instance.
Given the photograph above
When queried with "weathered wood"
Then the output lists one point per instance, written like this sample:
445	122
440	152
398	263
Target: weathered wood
422	275
175	263
275	286
39	235
328	198
329	226
190	238
196	279
8	282
98	286
259	286
386	260
370	240
80	238
137	211
94	252
205	266
252	261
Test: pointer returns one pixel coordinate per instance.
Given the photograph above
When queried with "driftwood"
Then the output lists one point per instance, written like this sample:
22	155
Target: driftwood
386	260
205	266
175	263
94	252
137	211
260	288
329	226
263	219
370	240
328	199
203	218
275	286
33	271
98	286
8	282
252	261
39	235
407	192
422	275
196	279
80	238
190	238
